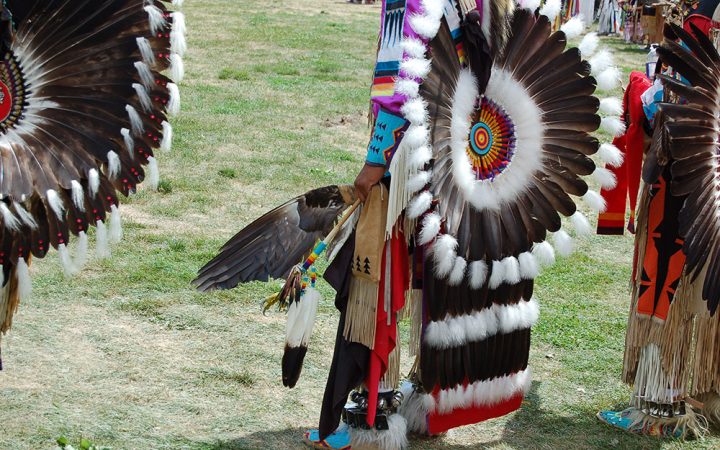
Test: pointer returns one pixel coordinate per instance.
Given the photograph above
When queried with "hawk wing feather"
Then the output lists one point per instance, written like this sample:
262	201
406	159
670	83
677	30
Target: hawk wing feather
689	134
273	244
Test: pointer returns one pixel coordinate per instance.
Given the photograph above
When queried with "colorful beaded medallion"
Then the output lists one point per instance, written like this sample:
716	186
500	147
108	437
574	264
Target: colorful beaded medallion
492	140
12	92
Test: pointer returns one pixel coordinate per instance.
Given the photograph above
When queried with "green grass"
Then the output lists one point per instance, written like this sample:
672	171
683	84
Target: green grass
128	355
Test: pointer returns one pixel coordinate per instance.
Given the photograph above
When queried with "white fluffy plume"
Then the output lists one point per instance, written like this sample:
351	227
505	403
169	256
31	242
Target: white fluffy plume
601	61
605	178
544	253
608	79
563	243
551	9
419	205
595	201
611	155
430	228
573	28
611	106
613	125
478	274
581	224
589	44
532	5
444	254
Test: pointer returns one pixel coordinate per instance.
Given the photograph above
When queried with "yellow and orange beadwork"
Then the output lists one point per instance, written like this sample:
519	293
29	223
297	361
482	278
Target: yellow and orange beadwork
491	141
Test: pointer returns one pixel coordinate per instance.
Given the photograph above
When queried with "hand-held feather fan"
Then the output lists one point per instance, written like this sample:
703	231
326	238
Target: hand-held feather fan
83	107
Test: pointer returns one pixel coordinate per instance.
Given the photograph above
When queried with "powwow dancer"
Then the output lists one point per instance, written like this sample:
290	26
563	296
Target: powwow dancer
83	107
673	339
482	118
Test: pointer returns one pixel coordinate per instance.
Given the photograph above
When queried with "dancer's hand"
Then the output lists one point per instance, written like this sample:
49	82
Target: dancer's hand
368	177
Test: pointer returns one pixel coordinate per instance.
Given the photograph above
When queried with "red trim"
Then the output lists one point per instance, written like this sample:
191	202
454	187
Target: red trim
438	423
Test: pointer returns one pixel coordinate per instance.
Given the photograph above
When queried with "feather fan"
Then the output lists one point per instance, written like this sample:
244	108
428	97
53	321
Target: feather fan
690	137
83	107
503	179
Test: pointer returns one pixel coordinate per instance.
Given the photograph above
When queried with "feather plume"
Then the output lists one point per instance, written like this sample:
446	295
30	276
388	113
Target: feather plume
613	125
129	142
589	44
419	205
415	111
608	79
551	9
421	156
177	35
177	67
444	255
529	268
9	220
78	196
148	57
573	28
533	5
113	165
65	261
415	67
611	106
563	243
430	228
174	102
457	274
419	181
25	217
153	174
497	274
300	323
601	61
512	270
156	18
22	273
409	88
415	48
55	203
611	155
116	232
595	201
478	274
102	249
81	252
581	224
167	131
143	96
136	123
93	182
605	178
544	253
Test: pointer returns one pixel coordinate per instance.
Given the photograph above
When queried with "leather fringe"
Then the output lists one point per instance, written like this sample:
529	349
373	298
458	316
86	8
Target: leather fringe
392	375
414	303
687	343
361	313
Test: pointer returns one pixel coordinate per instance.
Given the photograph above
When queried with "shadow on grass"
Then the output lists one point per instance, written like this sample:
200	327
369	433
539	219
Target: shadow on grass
532	427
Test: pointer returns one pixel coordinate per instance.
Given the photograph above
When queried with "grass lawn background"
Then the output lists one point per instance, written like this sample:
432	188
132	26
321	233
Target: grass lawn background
275	102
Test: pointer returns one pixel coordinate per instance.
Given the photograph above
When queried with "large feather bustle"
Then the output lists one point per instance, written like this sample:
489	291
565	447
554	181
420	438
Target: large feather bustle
273	244
493	227
67	156
688	140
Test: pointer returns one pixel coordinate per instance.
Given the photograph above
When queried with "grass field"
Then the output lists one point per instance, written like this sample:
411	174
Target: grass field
127	355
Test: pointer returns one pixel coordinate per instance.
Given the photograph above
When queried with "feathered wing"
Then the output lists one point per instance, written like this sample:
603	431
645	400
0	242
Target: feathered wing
691	135
270	246
83	108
